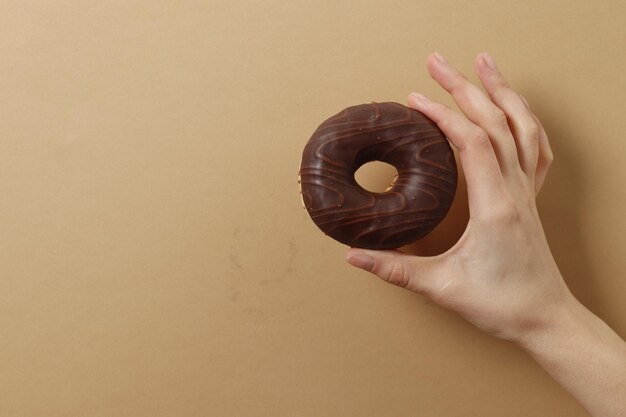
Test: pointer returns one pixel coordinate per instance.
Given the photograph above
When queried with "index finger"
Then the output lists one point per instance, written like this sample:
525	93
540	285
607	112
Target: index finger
485	183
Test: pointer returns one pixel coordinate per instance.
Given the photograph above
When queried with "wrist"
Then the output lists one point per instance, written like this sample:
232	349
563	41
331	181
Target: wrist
558	322
583	355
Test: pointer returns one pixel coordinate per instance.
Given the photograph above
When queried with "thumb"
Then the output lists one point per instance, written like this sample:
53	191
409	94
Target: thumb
407	271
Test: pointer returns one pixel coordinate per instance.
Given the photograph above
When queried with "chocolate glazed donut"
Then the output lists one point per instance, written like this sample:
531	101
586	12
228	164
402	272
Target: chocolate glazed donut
416	202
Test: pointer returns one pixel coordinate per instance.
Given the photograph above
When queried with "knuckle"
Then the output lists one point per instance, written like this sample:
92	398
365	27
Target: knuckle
446	116
497	117
500	83
506	214
532	131
459	84
500	91
547	157
397	275
480	138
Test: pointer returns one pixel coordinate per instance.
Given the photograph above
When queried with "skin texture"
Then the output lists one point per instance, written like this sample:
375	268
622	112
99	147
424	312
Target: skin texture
501	275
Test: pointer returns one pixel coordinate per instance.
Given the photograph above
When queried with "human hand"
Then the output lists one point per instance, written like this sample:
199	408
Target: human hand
500	275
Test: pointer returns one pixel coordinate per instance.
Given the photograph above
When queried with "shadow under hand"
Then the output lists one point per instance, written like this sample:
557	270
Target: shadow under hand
559	202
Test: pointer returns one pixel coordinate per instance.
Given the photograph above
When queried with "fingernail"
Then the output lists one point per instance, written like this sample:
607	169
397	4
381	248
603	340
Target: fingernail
489	61
525	101
360	260
440	58
420	100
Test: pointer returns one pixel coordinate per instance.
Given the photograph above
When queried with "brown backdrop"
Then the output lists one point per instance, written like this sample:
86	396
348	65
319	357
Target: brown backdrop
154	256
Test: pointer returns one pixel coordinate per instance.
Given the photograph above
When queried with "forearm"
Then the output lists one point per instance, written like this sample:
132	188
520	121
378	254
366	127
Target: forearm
584	356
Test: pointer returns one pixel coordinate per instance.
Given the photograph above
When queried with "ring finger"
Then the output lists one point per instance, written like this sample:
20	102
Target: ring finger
479	109
524	128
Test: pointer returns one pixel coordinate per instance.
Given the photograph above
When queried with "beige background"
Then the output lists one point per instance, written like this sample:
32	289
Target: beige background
154	256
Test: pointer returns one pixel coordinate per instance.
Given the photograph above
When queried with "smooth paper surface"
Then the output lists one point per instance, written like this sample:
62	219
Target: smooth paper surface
155	259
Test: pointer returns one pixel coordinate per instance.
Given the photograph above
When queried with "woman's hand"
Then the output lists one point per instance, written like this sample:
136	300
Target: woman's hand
500	275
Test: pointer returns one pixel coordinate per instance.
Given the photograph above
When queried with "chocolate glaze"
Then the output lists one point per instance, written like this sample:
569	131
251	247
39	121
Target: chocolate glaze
390	132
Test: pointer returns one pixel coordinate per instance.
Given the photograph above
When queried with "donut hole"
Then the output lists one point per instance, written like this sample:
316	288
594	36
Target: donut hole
376	176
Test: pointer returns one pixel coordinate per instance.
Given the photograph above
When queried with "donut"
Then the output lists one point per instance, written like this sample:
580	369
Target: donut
416	201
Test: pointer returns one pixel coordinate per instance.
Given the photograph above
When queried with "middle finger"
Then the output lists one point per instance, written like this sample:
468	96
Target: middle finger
479	109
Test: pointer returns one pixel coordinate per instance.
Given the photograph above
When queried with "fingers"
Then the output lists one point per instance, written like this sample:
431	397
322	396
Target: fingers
479	109
546	156
485	183
397	268
523	125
